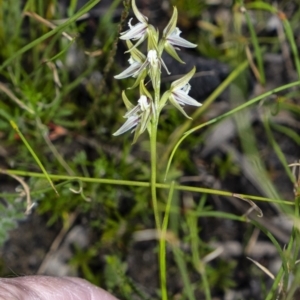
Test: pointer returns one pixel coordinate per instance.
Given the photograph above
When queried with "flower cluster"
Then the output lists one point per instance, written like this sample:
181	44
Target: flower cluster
139	116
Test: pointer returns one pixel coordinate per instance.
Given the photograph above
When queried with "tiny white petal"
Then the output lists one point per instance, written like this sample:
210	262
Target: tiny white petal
154	61
131	60
143	102
187	88
152	57
129	24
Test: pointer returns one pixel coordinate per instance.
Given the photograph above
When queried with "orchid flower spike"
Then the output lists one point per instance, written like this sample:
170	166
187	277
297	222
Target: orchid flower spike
140	117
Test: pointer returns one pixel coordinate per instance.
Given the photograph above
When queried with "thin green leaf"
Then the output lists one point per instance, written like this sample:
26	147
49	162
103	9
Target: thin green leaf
15	127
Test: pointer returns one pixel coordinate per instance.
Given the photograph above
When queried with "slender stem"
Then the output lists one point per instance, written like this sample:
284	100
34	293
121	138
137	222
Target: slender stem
145	184
156	80
153	136
153	172
162	245
16	128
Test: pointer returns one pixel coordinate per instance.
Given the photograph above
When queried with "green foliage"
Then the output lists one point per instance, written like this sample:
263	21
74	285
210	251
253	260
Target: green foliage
193	8
12	209
226	166
221	279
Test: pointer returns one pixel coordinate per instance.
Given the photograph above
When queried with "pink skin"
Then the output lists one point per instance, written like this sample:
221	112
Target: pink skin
48	288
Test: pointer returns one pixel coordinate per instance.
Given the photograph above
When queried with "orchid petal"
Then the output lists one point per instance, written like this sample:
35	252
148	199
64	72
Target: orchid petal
130	123
144	91
164	99
133	112
152	58
136	55
126	101
171	50
172	23
176	40
177	105
143	102
141	76
132	70
138	14
181	82
135	32
183	98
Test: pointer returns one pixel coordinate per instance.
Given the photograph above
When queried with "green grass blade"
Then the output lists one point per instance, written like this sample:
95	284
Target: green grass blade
273	291
146	185
285	263
286	24
257	50
290	36
15	127
192	221
181	263
162	245
262	6
278	151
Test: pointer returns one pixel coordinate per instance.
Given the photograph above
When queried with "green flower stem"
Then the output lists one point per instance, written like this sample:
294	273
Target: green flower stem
161	254
153	136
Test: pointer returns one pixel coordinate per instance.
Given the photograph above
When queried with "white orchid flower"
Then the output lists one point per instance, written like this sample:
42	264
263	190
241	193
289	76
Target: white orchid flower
178	94
174	39
171	38
138	31
138	117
